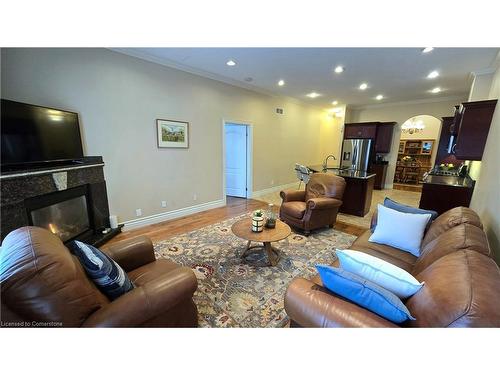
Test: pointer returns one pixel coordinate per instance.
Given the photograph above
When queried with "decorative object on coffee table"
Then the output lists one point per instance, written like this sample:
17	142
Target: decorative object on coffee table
242	229
271	216
258	221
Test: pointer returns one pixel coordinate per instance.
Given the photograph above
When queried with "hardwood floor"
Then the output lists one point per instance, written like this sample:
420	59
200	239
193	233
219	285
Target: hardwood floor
234	207
170	228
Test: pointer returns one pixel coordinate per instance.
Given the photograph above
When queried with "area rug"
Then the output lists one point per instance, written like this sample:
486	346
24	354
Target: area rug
233	292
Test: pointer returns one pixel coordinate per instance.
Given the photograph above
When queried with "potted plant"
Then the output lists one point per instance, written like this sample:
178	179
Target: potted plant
258	221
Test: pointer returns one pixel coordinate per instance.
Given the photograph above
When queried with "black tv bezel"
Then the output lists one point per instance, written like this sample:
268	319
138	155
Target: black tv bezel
43	163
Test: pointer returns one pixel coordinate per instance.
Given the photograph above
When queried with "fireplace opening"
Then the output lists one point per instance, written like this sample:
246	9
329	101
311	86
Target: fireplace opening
64	213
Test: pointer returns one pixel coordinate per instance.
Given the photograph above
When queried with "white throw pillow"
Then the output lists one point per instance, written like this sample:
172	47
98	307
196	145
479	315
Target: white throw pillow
380	272
399	229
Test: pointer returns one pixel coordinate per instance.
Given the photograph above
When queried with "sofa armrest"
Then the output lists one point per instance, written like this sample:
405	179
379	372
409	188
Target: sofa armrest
310	305
323	203
147	301
131	254
293	195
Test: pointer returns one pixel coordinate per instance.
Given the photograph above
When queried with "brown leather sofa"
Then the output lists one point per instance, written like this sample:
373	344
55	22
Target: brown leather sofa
316	206
43	284
462	281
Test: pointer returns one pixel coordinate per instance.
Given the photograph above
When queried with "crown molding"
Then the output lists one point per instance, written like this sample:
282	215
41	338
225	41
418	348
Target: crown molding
140	54
410	102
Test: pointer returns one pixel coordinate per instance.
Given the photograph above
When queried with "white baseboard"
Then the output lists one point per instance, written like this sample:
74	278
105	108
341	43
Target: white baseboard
273	189
158	218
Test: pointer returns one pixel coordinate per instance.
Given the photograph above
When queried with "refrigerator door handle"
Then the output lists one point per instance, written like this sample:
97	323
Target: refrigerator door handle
354	157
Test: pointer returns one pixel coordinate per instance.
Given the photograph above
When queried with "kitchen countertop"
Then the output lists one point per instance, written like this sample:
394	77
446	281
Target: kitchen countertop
465	182
342	172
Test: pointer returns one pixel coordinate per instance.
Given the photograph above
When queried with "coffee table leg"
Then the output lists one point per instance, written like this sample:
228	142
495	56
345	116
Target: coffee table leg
272	254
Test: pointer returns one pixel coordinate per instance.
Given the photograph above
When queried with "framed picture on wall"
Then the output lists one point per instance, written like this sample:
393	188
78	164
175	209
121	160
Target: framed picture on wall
172	134
427	147
401	147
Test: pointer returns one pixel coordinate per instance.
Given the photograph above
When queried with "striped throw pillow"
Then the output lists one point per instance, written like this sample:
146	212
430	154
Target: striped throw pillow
106	274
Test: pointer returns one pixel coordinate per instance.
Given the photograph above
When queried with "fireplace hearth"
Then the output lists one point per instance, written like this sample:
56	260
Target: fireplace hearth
69	201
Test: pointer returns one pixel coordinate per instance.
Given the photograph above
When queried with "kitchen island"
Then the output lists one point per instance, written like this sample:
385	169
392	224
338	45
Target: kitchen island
441	193
358	191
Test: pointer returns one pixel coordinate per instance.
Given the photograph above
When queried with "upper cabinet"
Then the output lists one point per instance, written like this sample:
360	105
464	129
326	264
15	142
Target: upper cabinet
383	141
360	130
471	125
380	132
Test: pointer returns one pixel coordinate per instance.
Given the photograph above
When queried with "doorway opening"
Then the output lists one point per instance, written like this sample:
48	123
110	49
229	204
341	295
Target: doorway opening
237	160
419	138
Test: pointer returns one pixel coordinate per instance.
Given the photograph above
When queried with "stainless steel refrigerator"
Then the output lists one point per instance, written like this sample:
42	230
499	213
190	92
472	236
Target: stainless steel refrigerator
356	154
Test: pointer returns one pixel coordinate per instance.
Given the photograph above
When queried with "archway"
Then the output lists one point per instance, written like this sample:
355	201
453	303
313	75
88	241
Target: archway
418	140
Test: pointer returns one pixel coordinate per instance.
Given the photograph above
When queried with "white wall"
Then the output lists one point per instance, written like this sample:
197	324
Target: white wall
400	112
431	131
119	98
486	196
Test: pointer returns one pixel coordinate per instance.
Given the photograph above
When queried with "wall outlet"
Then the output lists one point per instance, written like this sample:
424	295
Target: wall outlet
164	203
138	212
195	197
272	182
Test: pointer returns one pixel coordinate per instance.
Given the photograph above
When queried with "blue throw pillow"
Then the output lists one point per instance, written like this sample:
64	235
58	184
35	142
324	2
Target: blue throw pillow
108	276
364	293
389	203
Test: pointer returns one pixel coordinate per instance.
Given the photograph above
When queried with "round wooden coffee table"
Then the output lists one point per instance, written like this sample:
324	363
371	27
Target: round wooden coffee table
243	229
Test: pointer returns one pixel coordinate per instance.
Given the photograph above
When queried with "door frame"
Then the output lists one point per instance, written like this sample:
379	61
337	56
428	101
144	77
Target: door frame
249	156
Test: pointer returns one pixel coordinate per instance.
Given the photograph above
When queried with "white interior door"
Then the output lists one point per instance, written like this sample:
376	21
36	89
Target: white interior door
236	160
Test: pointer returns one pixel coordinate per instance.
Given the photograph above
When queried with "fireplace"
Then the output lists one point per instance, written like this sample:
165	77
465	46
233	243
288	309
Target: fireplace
65	213
69	201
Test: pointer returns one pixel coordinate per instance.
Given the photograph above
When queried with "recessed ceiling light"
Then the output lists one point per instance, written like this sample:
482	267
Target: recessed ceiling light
231	63
427	49
379	97
435	90
363	86
335	102
433	74
281	82
313	95
339	69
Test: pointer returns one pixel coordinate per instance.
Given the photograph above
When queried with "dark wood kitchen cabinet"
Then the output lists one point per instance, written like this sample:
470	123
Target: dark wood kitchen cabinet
383	140
444	139
380	132
471	124
360	130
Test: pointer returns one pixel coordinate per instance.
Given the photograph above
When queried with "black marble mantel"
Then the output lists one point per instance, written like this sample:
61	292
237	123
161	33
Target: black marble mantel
18	186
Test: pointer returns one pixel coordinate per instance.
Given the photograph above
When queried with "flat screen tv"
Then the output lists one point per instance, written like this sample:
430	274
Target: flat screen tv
35	136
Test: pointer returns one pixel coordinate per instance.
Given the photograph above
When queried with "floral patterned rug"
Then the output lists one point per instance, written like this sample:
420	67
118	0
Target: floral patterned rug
233	292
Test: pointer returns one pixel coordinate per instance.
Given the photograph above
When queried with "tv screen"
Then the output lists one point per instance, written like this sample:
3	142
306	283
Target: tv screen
34	134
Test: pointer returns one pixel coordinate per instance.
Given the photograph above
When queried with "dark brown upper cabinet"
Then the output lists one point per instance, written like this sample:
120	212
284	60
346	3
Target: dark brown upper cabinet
360	130
383	140
444	139
471	125
380	132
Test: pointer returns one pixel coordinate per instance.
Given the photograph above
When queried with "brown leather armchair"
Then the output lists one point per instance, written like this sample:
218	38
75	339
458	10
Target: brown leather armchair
43	284
316	206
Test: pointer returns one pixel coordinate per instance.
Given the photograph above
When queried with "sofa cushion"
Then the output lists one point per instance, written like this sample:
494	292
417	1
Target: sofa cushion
151	271
380	272
325	185
295	209
461	237
462	289
390	254
364	293
450	219
401	230
108	276
388	202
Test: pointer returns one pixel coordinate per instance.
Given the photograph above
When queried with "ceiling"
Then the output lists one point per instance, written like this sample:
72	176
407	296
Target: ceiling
399	74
